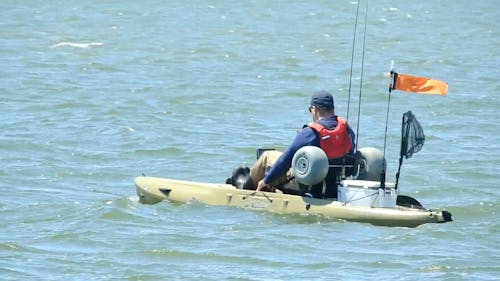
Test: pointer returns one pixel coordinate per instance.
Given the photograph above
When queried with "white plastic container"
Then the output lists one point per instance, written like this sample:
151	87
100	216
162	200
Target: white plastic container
367	194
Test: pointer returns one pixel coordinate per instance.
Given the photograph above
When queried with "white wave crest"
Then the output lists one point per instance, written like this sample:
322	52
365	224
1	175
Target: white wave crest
77	45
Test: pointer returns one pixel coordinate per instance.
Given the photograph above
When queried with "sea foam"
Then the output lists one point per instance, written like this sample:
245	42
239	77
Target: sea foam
77	45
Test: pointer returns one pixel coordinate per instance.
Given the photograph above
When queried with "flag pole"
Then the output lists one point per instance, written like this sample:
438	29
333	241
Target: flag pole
391	86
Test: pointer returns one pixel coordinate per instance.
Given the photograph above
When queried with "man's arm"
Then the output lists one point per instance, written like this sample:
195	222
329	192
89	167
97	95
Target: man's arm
305	137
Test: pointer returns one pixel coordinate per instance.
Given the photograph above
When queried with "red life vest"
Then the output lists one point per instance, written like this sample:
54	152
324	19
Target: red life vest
335	143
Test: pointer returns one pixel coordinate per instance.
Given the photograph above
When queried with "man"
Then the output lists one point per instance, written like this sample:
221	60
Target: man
329	132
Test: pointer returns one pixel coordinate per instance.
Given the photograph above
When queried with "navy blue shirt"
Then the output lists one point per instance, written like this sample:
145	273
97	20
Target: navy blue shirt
306	136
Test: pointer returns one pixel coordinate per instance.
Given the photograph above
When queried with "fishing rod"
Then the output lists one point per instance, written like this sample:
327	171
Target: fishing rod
362	68
362	71
352	61
383	174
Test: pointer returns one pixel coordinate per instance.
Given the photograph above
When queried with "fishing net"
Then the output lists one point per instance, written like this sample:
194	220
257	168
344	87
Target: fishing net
412	139
412	135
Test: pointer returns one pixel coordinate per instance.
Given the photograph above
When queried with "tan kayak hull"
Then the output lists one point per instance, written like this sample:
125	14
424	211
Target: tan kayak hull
152	190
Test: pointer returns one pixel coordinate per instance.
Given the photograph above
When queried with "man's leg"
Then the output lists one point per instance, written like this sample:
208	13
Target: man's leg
265	161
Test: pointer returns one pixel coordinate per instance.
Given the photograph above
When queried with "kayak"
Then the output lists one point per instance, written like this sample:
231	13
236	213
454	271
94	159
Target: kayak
352	188
352	204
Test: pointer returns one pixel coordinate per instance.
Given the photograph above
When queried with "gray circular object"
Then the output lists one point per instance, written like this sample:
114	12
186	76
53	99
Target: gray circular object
310	165
371	163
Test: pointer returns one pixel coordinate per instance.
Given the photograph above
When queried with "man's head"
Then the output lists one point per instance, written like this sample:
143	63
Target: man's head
322	100
322	105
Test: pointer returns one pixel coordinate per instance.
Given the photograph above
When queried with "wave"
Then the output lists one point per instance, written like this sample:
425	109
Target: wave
77	45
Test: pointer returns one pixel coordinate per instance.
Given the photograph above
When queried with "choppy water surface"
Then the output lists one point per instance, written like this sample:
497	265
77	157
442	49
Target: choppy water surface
95	93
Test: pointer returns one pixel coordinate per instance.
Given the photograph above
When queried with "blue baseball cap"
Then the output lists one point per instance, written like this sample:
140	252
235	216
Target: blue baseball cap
322	99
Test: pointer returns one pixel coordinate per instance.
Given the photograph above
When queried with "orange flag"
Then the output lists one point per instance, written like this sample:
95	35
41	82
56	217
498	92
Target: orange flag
421	85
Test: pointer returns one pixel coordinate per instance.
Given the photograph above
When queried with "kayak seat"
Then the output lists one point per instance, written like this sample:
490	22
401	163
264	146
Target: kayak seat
339	169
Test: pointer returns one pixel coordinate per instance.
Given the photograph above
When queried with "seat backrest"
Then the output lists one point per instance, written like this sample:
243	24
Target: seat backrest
339	169
344	166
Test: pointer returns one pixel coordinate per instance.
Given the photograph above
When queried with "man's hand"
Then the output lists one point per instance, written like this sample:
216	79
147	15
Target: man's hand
261	185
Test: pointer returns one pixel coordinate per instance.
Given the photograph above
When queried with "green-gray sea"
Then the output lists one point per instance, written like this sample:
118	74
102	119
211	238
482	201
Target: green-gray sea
95	93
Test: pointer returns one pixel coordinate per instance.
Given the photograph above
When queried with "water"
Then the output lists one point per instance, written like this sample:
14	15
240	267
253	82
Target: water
95	93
